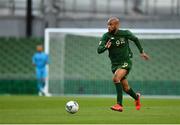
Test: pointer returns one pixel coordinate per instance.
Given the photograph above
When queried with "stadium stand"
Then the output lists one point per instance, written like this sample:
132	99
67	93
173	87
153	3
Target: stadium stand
89	13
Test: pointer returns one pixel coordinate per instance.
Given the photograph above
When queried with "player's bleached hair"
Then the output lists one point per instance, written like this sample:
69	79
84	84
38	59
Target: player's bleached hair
114	18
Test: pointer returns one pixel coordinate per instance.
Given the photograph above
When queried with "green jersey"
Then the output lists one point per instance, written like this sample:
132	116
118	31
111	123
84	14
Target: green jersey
119	50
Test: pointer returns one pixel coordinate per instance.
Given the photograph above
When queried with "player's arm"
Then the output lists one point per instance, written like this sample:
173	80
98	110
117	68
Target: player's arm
104	44
47	59
133	38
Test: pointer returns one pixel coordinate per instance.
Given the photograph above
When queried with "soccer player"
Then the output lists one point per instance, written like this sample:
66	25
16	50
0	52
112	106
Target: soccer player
40	59
117	43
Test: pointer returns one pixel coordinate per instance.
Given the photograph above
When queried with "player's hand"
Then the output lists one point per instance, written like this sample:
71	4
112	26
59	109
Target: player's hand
144	56
108	44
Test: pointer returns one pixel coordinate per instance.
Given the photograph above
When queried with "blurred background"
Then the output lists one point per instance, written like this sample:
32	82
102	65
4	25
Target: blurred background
22	26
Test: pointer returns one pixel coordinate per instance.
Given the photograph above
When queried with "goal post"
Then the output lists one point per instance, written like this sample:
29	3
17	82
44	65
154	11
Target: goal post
62	32
76	68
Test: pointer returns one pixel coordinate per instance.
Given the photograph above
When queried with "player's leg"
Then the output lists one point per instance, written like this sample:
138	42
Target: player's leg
118	75
38	76
40	81
130	91
44	76
39	87
42	86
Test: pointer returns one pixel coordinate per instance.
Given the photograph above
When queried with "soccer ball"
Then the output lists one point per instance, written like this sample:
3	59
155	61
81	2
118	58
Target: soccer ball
72	107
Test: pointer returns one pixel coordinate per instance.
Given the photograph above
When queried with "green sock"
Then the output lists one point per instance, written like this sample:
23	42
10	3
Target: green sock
132	94
119	93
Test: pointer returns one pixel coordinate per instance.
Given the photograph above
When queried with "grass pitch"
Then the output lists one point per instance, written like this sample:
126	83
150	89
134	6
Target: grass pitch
34	109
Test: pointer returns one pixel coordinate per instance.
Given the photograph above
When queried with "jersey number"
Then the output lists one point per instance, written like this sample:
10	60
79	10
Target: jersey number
125	65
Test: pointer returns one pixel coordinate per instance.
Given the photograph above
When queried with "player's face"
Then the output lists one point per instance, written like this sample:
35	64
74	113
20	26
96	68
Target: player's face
39	48
113	26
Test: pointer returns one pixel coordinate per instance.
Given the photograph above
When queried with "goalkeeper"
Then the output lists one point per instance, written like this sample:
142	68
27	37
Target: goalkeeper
40	59
117	43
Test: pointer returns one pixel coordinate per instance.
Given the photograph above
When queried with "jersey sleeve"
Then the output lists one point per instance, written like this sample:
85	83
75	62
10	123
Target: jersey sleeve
101	48
133	38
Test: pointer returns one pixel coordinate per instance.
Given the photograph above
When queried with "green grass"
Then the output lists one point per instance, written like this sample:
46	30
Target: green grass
34	109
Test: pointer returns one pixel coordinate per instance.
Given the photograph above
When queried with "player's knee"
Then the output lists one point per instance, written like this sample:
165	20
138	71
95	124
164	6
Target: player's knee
116	80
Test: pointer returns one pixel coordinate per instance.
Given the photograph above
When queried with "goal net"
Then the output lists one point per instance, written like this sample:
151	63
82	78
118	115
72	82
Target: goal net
76	68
